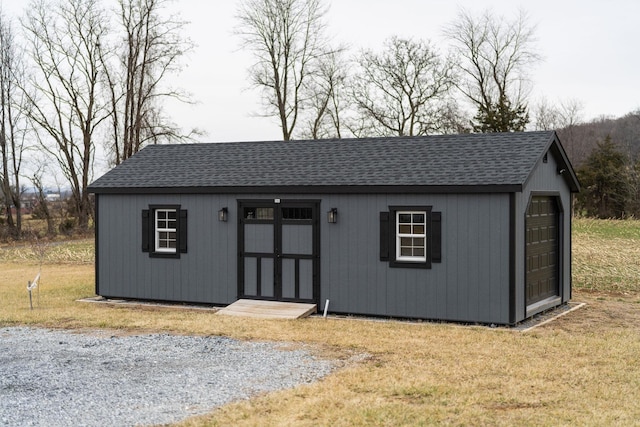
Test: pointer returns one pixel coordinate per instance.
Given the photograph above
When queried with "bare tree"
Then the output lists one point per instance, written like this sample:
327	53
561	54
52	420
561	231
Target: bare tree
134	73
287	38
564	118
12	124
554	117
65	38
494	57
402	90
547	116
42	204
327	102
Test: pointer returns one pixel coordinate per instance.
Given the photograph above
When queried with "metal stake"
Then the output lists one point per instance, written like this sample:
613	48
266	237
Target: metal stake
29	289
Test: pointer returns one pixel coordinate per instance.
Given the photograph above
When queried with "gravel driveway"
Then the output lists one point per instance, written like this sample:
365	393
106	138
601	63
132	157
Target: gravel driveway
64	378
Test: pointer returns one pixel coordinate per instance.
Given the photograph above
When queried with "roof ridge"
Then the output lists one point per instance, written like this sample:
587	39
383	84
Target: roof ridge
395	139
467	160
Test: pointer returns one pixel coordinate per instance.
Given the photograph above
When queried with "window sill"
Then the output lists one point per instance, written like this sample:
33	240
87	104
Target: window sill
410	264
164	255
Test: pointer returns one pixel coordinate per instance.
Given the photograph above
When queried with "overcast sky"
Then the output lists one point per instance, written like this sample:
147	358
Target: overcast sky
591	51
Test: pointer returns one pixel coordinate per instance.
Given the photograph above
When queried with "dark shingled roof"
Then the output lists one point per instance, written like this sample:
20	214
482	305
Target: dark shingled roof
469	162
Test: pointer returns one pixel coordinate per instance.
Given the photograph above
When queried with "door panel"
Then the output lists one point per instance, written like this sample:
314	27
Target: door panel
279	250
267	286
251	276
297	279
289	278
258	238
306	278
297	239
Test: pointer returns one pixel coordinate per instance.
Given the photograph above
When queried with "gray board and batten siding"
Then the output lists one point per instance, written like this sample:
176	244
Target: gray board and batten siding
480	186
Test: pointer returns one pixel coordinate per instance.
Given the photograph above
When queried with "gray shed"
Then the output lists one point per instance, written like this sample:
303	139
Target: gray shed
469	228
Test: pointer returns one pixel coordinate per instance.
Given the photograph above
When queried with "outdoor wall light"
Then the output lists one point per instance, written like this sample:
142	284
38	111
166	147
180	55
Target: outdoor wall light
332	215
222	214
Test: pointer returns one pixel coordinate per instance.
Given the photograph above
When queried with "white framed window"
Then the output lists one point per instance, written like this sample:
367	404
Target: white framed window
166	230
411	236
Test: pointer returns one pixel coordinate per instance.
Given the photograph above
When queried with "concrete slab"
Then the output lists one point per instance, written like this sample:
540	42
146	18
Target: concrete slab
268	309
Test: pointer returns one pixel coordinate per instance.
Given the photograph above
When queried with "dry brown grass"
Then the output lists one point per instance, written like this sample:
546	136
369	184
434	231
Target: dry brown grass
79	251
428	374
606	255
578	370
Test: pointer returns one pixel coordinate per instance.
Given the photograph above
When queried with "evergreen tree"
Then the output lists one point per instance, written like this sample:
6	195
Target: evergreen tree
605	182
501	117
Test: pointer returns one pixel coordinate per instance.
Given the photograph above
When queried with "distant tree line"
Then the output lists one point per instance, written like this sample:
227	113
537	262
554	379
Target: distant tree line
610	173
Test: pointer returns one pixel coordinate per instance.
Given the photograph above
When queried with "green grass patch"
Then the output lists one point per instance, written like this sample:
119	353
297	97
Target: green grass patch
606	255
607	228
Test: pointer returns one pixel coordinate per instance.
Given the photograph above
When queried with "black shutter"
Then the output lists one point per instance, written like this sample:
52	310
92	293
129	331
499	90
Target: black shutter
436	236
145	230
182	232
384	236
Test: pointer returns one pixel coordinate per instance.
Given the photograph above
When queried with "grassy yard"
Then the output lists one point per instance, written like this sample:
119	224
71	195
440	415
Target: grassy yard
606	255
581	369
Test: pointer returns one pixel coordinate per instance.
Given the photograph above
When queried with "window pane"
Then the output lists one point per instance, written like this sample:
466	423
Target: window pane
163	239
297	213
411	236
264	213
166	226
258	213
166	219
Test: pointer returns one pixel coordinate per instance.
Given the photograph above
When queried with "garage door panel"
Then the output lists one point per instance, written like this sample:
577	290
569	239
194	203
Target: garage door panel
542	249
